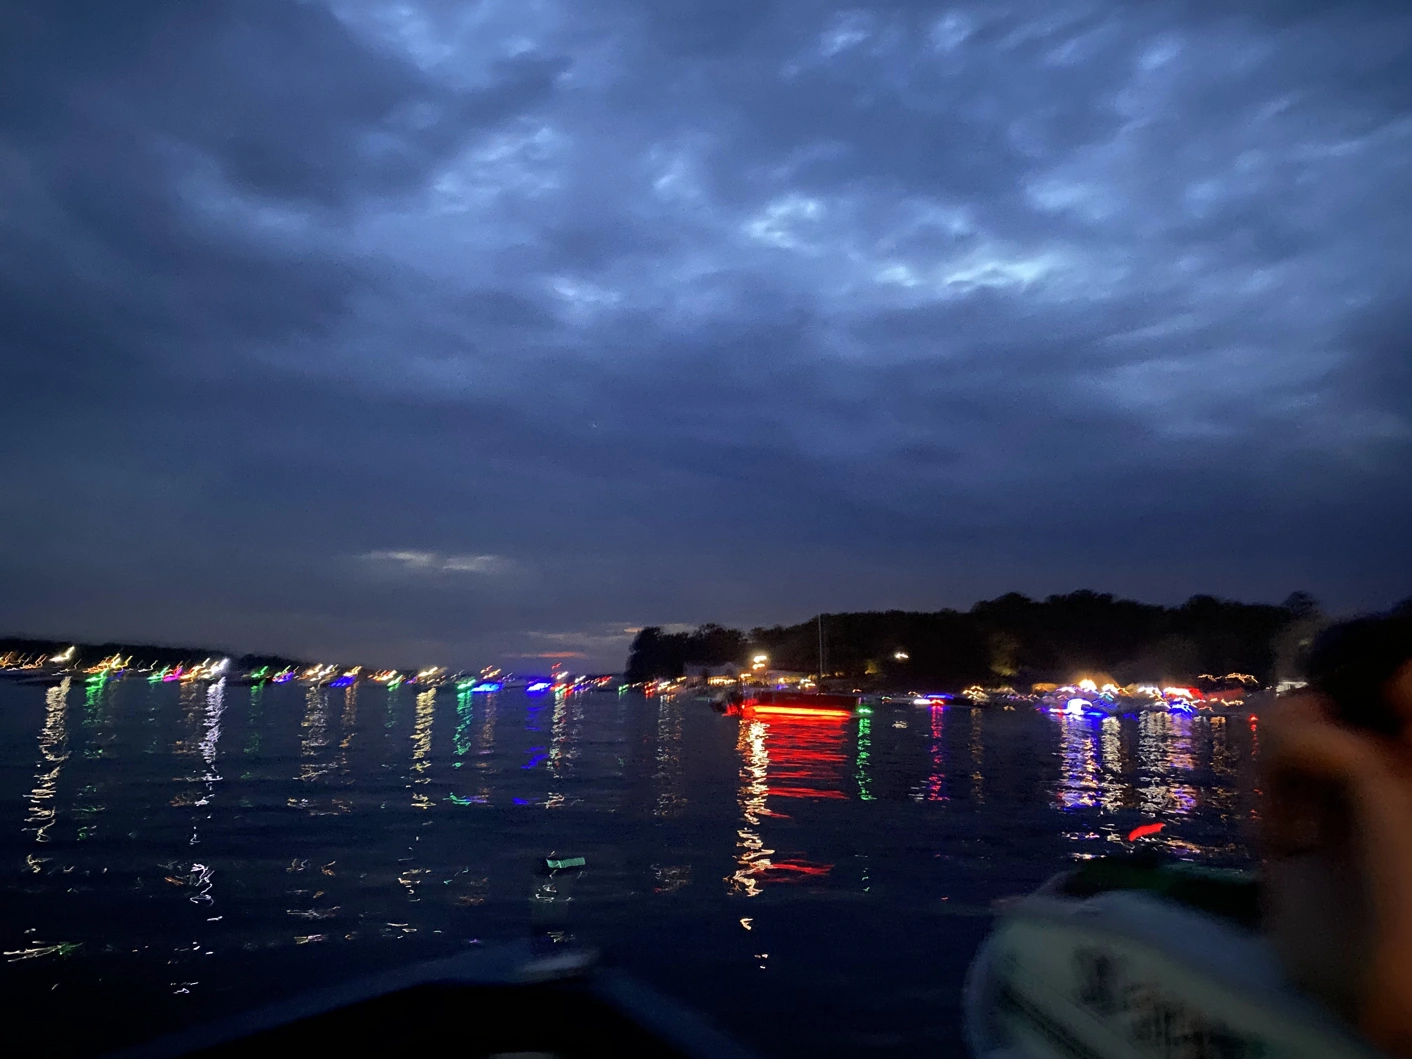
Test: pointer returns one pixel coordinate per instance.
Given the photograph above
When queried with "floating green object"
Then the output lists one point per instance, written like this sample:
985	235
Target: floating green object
561	863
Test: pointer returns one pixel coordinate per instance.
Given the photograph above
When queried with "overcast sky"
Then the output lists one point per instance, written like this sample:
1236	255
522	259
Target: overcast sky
470	332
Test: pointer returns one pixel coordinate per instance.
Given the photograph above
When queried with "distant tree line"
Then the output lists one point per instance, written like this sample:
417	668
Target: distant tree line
657	654
1010	640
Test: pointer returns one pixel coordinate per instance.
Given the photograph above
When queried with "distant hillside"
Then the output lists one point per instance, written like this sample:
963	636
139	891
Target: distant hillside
1010	640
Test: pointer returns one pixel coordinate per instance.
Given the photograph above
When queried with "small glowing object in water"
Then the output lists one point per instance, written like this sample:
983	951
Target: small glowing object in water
900	656
1144	830
537	686
564	863
485	686
1074	707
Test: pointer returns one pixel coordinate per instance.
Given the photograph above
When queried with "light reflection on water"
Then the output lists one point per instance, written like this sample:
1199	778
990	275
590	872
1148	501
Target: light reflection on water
201	847
53	752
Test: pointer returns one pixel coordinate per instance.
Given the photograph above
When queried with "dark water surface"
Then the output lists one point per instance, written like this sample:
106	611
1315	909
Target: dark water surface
817	888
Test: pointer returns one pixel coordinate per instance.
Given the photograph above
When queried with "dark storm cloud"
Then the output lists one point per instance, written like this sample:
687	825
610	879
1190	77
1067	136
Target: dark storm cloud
642	312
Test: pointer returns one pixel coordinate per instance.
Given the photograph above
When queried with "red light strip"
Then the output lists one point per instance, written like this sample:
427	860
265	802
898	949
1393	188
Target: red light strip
800	711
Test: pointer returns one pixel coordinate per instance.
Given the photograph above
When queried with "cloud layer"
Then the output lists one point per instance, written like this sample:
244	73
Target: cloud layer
670	311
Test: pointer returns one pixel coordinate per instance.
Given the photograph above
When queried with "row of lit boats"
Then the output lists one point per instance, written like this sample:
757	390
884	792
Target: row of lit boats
58	667
1084	698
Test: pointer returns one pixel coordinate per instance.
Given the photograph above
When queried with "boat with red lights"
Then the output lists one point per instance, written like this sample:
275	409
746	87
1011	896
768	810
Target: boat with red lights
798	703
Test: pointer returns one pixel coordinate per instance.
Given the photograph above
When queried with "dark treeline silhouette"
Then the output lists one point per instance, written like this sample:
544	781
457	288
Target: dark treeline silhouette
1010	640
141	654
657	654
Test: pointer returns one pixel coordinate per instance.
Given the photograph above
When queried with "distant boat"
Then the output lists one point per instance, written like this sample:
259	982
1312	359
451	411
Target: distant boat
799	702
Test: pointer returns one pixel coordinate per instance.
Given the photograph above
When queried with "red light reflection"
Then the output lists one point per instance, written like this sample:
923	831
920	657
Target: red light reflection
936	779
1143	830
786	753
808	756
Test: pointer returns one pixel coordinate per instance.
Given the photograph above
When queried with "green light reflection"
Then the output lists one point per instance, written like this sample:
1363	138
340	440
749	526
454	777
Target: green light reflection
864	763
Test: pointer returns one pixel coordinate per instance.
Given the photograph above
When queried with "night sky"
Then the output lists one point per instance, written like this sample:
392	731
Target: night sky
470	332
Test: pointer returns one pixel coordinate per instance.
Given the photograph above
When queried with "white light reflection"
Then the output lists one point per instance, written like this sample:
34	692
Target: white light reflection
210	738
348	722
977	748
751	855
1114	793
315	737
1078	762
666	777
200	878
53	752
421	746
1164	744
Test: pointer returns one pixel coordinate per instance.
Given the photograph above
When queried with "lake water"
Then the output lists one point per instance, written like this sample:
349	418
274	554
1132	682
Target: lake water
815	887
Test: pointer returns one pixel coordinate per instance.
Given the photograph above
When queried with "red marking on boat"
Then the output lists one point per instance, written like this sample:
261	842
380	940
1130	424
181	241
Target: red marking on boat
1145	830
813	701
751	708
